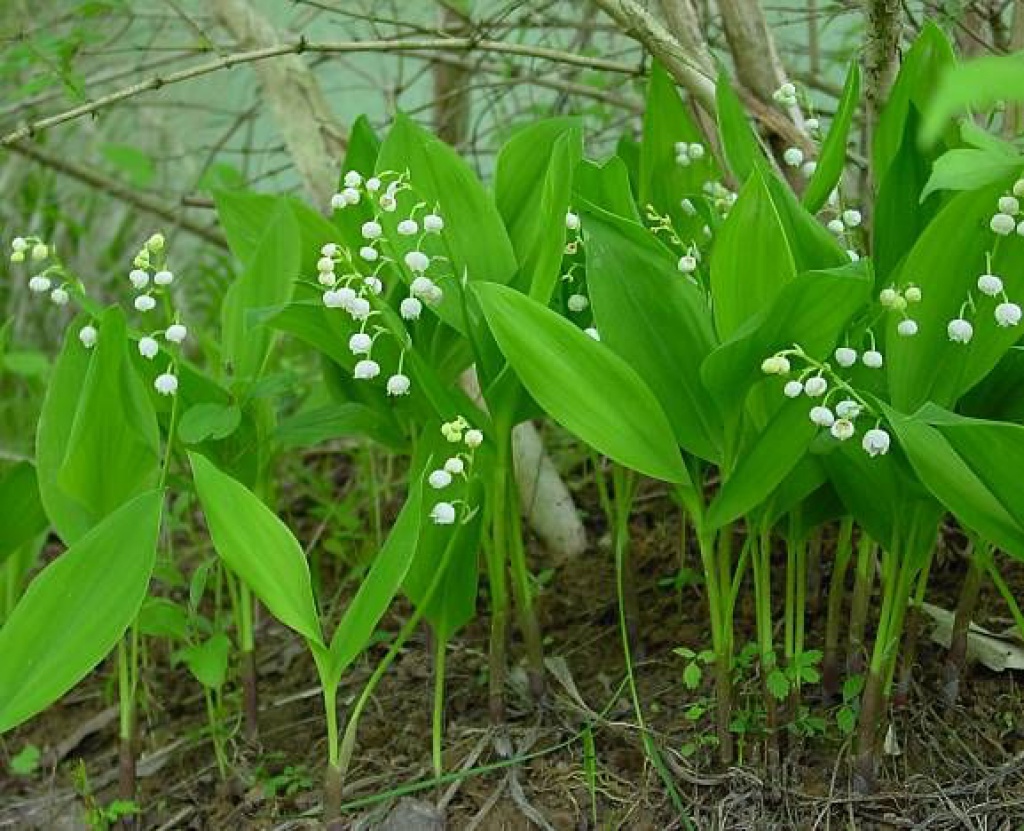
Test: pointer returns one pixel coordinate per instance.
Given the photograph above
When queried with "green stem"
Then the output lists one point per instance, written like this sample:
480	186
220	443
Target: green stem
830	660
1007	595
863	583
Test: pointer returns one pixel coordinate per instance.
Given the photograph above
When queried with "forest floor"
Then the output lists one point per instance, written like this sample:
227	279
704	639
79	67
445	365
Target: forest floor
959	767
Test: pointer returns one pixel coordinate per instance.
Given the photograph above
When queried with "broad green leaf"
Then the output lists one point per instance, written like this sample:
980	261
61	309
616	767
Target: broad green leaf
308	428
76	610
208	661
606	186
663	180
161	617
832	158
208	422
900	214
751	260
657	320
993	450
810	243
258	547
952	481
978	84
582	384
813	310
914	88
738	138
22	518
967	169
98	444
380	585
761	468
474	234
268	280
532	190
945	262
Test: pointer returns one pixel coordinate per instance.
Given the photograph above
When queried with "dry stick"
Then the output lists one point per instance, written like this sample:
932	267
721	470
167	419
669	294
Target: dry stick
968	601
95	179
300	46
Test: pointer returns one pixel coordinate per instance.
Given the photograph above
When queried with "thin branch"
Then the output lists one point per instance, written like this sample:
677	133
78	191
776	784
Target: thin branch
298	47
118	190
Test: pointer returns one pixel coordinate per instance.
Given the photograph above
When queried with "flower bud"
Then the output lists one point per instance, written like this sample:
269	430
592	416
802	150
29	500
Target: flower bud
39	251
913	294
155	243
887	297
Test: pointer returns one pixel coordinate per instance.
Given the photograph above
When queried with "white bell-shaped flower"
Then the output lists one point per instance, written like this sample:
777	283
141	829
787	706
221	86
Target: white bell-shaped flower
176	333
990	284
474	438
1002	224
439	479
815	387
359	308
40	251
912	294
408	227
371	230
875	442
410	308
822	416
148	347
455	466
369	253
163	277
793	389
836	227
687	264
1008	314
88	335
907	328
360	343
166	384
366	370
572	221
433	223
59	297
417	261
577	302
843	429
592	333
852	218
352	179
848	409
39	284
398	384
145	303
960	330
373	283
138	278
1009	205
845	356
793	156
888	297
443	513
872	359
373	184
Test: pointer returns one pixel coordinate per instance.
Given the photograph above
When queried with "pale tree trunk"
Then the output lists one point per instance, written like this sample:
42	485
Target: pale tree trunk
881	55
452	97
300	110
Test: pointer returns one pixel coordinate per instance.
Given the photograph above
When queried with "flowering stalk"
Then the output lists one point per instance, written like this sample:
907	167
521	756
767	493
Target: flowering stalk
864	579
978	555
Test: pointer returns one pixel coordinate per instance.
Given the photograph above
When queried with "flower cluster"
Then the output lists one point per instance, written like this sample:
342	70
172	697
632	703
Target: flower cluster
1005	312
357	287
837	406
151	277
459	464
1008	216
53	279
898	300
688	153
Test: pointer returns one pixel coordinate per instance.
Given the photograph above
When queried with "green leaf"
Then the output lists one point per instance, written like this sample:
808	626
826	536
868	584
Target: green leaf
98	443
268	280
208	661
379	587
978	84
967	169
332	421
657	320
778	684
474	233
26	761
22	518
945	262
160	617
136	165
832	158
258	547
606	186
738	138
582	384
959	488
760	469
662	180
208	422
751	260
914	87
76	610
691	676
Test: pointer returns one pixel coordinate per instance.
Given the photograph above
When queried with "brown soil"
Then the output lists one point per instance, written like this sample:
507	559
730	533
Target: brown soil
960	767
